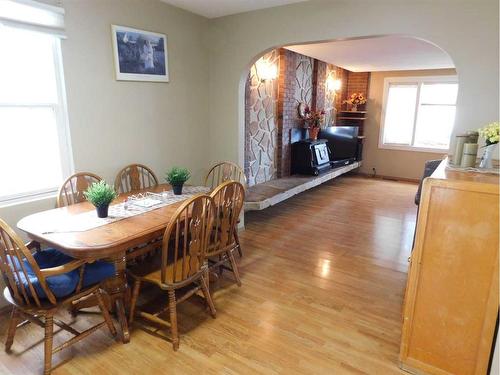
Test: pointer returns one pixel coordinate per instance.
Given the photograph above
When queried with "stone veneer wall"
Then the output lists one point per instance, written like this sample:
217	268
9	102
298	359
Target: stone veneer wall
332	99
271	108
295	86
261	133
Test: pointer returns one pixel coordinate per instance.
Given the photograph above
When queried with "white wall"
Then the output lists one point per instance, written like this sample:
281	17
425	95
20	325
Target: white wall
467	30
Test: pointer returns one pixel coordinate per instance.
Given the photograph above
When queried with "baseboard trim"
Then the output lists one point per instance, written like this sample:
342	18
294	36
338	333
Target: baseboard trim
390	178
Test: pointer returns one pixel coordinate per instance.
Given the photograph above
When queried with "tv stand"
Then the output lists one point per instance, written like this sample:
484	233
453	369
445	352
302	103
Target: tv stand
342	163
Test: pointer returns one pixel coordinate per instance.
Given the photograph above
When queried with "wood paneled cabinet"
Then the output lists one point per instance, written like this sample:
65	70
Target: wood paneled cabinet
451	301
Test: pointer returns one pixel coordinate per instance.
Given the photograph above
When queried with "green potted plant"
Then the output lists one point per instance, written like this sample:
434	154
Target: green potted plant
177	177
100	194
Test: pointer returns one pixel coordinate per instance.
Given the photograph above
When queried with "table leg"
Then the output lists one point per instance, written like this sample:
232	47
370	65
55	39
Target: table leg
116	288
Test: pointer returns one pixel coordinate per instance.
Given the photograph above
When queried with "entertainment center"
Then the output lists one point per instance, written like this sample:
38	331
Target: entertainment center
336	146
336	151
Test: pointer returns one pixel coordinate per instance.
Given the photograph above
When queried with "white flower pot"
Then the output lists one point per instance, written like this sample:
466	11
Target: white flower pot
487	159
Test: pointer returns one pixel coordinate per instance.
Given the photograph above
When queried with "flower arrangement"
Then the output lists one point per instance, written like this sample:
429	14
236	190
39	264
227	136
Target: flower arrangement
100	194
313	119
355	99
491	133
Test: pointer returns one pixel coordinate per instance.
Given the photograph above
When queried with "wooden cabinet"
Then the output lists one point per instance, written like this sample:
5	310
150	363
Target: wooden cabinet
451	301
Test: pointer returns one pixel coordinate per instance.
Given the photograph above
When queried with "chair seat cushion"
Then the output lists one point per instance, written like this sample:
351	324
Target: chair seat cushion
96	272
65	284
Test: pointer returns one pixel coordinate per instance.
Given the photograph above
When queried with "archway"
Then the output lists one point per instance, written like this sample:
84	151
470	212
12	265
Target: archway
264	142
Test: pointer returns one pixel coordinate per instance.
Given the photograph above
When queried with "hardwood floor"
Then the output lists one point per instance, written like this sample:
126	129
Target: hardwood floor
323	280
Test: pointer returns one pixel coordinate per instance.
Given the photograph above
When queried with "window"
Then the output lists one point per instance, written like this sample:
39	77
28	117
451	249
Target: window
34	139
418	113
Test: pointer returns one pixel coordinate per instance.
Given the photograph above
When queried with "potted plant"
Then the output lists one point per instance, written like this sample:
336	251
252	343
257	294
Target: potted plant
100	194
176	177
491	135
355	100
314	121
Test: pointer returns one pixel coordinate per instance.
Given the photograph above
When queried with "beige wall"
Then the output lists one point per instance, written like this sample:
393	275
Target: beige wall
393	163
199	116
467	30
115	123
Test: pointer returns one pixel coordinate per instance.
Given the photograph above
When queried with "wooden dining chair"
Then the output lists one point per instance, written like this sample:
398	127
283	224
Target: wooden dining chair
132	178
180	264
222	172
71	191
228	198
135	177
40	284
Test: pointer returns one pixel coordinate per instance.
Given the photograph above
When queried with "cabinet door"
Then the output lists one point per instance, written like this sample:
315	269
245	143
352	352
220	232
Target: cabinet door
452	295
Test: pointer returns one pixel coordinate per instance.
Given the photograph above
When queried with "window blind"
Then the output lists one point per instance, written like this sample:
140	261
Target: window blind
32	15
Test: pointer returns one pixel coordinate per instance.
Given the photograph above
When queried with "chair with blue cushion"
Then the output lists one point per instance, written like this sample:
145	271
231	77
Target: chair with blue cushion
40	284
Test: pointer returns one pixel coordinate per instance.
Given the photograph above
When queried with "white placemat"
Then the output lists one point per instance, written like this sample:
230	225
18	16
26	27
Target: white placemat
89	220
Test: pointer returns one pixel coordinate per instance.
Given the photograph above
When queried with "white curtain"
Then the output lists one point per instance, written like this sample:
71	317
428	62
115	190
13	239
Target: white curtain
32	15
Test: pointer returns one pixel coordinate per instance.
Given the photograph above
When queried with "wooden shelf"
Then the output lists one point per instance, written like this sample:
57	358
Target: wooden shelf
361	112
351	118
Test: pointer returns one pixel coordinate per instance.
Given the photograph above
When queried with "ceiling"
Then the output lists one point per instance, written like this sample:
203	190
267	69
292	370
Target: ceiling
219	8
378	54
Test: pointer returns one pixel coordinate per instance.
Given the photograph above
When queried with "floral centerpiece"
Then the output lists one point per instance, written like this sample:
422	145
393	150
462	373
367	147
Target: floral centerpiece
354	100
313	120
491	135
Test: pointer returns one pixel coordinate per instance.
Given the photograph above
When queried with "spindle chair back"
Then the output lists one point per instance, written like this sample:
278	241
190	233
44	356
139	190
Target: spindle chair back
185	241
135	177
222	172
181	262
37	303
13	253
71	191
228	198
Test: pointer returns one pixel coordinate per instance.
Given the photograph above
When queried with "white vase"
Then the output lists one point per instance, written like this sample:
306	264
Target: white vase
487	159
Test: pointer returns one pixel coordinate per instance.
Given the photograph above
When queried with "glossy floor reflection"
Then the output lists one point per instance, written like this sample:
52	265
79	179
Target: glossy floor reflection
323	281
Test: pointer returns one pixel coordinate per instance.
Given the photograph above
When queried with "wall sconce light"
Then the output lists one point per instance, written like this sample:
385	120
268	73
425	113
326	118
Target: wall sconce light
333	84
337	84
266	70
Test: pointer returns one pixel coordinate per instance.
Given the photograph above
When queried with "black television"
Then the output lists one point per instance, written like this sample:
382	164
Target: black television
343	144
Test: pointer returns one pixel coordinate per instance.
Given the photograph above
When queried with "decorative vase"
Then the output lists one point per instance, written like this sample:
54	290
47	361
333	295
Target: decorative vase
313	133
487	159
177	189
102	211
354	108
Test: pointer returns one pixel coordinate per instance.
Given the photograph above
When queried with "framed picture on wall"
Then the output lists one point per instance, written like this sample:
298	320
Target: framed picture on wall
139	55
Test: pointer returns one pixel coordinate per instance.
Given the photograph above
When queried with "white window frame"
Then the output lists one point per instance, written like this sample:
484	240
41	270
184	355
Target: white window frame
62	125
417	80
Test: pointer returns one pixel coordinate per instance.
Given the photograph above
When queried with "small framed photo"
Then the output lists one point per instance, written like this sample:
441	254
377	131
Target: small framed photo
139	55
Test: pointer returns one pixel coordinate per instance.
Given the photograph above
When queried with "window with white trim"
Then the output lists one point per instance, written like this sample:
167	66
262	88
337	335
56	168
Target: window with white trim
418	113
34	138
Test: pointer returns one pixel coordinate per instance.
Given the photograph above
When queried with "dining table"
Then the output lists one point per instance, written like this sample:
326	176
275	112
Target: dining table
76	230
